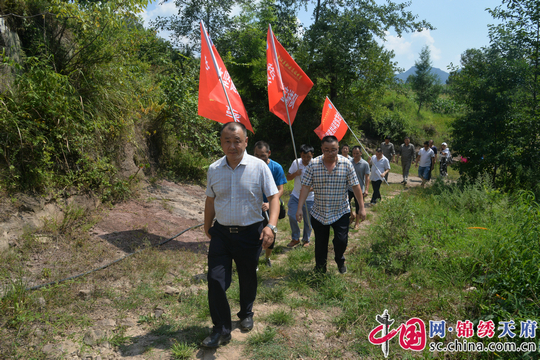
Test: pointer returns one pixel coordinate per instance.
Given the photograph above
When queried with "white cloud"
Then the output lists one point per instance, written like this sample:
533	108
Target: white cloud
156	9
424	37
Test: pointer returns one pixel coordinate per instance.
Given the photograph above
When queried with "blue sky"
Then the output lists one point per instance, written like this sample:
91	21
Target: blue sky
460	25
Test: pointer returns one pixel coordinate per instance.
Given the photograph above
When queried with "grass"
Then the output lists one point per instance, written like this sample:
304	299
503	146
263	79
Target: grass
418	258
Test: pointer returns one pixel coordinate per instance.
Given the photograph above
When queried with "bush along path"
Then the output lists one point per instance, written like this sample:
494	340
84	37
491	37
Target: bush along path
153	305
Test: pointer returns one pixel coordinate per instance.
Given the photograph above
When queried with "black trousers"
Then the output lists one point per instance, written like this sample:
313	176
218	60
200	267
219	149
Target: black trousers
351	197
322	235
376	191
244	248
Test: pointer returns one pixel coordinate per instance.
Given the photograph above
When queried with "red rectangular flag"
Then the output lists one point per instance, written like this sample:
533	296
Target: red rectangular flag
332	123
217	99
287	82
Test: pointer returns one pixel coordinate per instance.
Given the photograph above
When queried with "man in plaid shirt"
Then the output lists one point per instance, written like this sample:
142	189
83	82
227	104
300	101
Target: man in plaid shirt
329	175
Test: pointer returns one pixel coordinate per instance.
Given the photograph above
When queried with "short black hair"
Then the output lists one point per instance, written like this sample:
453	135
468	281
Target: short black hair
356	147
378	150
388	137
329	139
347	145
426	142
406	137
233	125
262	144
304	148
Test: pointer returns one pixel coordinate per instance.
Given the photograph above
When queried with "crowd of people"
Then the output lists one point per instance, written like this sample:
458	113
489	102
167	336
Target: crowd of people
243	206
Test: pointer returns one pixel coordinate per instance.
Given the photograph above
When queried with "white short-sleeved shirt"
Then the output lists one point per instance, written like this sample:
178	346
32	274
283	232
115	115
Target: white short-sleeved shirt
425	157
298	179
238	193
380	165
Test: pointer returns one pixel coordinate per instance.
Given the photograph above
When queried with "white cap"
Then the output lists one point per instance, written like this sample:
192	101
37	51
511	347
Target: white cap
444	144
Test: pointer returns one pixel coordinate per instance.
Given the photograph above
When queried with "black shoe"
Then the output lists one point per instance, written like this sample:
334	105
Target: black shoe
268	262
246	324
215	340
342	269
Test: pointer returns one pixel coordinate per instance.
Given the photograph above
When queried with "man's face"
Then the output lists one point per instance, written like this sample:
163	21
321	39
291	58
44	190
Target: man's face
330	150
386	141
233	143
345	151
306	157
357	154
426	146
262	153
407	141
430	143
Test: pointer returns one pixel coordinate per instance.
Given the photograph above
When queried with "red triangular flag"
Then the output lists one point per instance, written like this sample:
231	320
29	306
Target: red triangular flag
285	80
212	101
331	123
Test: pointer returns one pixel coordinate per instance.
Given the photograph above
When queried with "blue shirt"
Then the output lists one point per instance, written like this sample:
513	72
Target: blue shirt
238	193
277	173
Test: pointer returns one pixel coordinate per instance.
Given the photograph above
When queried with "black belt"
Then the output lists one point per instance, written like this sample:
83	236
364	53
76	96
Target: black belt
237	229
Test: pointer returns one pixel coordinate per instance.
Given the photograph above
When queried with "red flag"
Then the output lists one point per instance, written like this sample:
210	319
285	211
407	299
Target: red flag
212	100
331	123
285	80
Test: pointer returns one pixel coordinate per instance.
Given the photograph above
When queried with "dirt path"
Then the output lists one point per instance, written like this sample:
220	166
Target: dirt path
159	212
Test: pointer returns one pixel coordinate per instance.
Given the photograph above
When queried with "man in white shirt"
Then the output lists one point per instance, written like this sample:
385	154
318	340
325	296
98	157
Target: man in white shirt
445	159
380	166
296	173
426	156
234	194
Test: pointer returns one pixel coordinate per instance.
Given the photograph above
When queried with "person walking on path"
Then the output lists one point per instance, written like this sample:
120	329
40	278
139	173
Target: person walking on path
345	150
234	194
361	167
388	151
296	173
426	156
445	159
329	175
434	148
380	166
262	151
407	152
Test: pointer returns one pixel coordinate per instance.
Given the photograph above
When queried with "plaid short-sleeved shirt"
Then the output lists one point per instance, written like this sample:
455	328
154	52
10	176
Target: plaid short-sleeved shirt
331	198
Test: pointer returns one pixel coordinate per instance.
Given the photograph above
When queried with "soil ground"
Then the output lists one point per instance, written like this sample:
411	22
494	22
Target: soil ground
159	212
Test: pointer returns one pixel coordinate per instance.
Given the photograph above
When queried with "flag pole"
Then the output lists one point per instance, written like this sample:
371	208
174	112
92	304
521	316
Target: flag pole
352	132
276	61
207	40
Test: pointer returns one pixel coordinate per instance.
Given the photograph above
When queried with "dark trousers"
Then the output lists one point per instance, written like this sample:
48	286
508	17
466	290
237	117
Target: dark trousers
376	191
351	197
322	235
244	248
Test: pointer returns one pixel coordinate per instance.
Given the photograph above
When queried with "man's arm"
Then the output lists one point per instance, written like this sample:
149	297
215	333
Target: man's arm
417	159
209	214
357	190
301	200
267	236
366	181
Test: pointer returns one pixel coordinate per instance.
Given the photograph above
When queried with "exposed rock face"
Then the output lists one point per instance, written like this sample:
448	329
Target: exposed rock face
31	212
9	40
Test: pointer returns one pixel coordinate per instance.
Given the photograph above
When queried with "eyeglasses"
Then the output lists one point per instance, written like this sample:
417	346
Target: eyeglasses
329	151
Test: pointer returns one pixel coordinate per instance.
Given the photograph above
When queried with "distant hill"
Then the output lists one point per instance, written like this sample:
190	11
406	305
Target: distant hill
443	75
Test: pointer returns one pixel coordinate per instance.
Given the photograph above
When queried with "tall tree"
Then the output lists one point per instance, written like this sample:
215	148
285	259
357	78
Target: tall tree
424	82
501	131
